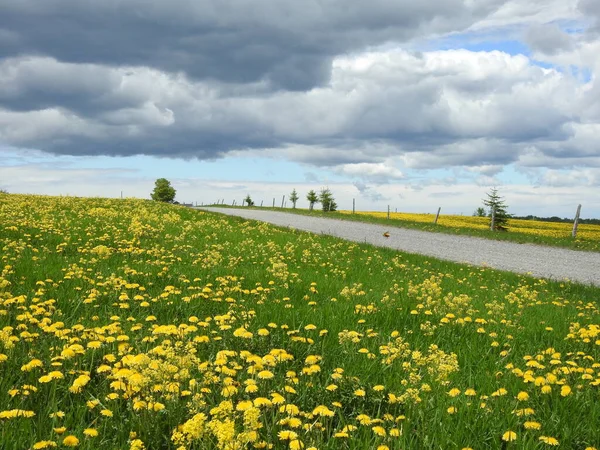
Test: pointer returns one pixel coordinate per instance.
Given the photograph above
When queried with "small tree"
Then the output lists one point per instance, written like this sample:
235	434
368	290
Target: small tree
294	198
248	200
327	201
479	212
497	208
163	191
312	199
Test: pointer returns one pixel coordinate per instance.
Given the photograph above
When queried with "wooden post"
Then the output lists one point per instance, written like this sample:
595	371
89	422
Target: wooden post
493	224
576	221
353	206
282	200
261	203
388	216
273	202
233	203
437	216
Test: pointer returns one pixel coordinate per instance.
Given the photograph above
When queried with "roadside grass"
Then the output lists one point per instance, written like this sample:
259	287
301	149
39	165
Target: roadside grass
539	233
156	326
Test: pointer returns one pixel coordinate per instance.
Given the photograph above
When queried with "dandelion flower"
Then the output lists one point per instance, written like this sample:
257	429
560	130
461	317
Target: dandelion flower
530	425
70	441
90	432
549	440
44	444
565	390
509	436
359	392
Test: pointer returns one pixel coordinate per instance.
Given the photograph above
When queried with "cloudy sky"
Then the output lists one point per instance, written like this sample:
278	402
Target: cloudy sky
390	102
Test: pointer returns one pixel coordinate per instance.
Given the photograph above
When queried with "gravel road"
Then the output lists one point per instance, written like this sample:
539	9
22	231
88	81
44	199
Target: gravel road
539	261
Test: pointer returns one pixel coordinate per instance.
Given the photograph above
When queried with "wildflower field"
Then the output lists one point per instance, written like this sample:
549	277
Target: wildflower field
129	324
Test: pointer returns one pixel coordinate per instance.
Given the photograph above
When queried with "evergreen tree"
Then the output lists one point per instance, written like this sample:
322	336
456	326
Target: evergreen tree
497	208
248	200
312	199
163	191
294	198
327	201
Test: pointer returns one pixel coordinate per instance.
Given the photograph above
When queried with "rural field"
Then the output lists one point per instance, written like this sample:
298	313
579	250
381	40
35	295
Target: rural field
131	324
522	231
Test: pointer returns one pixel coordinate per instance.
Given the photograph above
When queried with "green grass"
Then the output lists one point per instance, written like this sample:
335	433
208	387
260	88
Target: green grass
117	272
508	236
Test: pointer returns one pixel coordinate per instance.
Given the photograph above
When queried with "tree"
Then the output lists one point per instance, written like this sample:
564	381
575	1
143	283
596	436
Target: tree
312	199
294	198
497	207
163	191
327	201
479	212
248	200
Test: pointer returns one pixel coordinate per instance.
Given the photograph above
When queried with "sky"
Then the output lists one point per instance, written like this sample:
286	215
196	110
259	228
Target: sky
411	105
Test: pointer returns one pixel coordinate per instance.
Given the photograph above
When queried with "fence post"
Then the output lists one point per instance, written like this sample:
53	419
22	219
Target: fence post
576	221
353	205
437	216
493	224
261	202
273	202
282	200
388	215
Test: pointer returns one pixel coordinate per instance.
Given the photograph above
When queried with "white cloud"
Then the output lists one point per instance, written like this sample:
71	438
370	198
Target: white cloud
384	171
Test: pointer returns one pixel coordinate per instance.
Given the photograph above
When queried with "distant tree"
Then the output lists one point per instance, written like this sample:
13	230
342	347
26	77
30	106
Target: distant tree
497	208
294	198
248	200
312	199
163	191
3	191
327	201
480	212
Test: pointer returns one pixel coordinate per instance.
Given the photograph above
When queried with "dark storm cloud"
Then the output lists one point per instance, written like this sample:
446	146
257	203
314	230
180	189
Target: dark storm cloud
290	43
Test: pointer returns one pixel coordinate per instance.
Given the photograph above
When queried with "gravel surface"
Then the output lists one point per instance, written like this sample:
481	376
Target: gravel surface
539	261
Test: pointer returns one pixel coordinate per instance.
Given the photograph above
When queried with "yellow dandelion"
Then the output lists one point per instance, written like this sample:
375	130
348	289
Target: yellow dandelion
265	375
379	431
90	432
530	425
509	436
70	441
454	392
565	390
44	444
549	440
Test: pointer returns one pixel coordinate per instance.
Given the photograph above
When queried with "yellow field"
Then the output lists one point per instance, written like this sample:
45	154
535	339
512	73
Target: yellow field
533	227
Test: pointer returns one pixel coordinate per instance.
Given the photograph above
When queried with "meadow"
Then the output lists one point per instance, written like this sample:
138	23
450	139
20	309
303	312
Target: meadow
131	324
